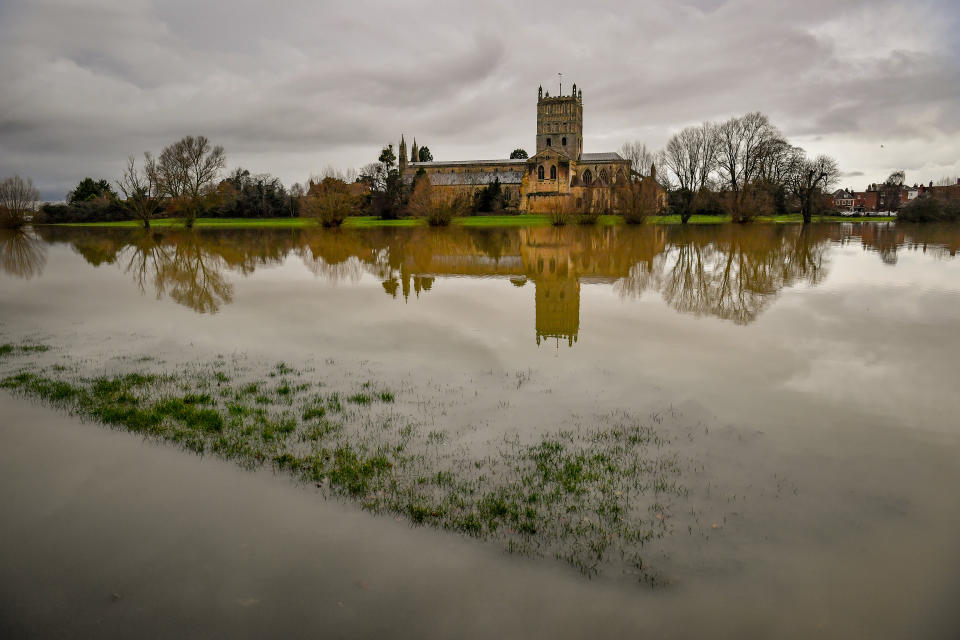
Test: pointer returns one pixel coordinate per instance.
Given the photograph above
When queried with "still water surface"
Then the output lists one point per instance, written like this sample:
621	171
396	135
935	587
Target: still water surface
808	377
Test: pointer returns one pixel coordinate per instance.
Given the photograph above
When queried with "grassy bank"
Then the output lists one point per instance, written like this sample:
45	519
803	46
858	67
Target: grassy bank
594	497
362	222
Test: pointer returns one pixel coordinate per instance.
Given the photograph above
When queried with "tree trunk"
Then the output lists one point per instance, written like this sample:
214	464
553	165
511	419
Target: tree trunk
806	207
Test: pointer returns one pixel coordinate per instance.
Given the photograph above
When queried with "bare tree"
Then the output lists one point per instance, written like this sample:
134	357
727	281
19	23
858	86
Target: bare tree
140	189
186	170
691	157
778	161
17	197
743	144
348	175
639	156
810	179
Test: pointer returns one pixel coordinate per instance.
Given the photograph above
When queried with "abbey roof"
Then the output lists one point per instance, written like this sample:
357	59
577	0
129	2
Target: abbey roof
459	163
607	156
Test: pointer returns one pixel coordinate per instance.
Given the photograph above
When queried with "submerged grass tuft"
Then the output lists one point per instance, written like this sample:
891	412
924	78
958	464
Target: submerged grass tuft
360	398
8	349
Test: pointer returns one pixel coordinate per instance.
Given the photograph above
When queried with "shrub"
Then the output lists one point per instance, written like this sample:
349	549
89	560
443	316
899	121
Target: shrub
588	217
637	200
97	210
751	202
930	209
329	201
438	208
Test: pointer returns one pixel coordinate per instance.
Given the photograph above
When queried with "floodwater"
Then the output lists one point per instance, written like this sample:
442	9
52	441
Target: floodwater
806	377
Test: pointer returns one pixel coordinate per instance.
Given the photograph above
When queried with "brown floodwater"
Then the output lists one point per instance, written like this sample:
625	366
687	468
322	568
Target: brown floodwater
806	377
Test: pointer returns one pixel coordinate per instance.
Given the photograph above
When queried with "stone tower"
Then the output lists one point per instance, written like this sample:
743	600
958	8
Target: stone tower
560	123
414	152
402	154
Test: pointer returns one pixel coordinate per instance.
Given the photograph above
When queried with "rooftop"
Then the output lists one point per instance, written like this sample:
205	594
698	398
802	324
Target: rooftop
458	163
601	157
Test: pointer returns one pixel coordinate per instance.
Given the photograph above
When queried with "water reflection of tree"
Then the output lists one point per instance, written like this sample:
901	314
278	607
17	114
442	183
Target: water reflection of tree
731	272
727	271
22	254
939	240
334	254
178	264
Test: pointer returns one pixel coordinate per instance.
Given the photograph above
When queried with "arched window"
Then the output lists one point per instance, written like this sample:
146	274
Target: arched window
553	172
540	172
563	141
603	174
587	177
548	142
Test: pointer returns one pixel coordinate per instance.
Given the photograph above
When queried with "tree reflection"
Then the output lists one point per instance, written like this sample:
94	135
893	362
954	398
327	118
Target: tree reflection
178	264
728	271
731	272
22	254
939	240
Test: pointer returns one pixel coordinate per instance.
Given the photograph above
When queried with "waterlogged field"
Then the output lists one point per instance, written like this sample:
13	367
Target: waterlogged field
733	431
582	495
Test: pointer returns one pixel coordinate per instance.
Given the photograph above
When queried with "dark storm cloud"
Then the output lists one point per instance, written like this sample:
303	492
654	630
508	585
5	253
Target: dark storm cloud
290	88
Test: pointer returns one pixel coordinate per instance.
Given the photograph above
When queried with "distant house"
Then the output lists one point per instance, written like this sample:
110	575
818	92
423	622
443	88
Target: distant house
946	192
843	200
868	200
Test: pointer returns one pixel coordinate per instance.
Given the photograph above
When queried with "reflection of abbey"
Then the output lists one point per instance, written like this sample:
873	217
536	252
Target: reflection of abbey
559	174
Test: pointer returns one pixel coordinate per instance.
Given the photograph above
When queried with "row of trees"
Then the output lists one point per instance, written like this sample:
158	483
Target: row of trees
183	174
744	167
183	181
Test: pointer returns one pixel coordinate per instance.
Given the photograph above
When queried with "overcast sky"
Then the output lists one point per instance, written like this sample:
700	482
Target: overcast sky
291	87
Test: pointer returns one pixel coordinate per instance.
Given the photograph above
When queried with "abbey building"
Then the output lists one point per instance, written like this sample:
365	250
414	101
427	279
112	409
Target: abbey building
558	176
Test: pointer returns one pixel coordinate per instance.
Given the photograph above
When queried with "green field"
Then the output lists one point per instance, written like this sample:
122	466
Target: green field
469	221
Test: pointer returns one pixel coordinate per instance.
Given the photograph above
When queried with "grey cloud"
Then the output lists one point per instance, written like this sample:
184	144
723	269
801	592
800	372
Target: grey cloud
305	84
